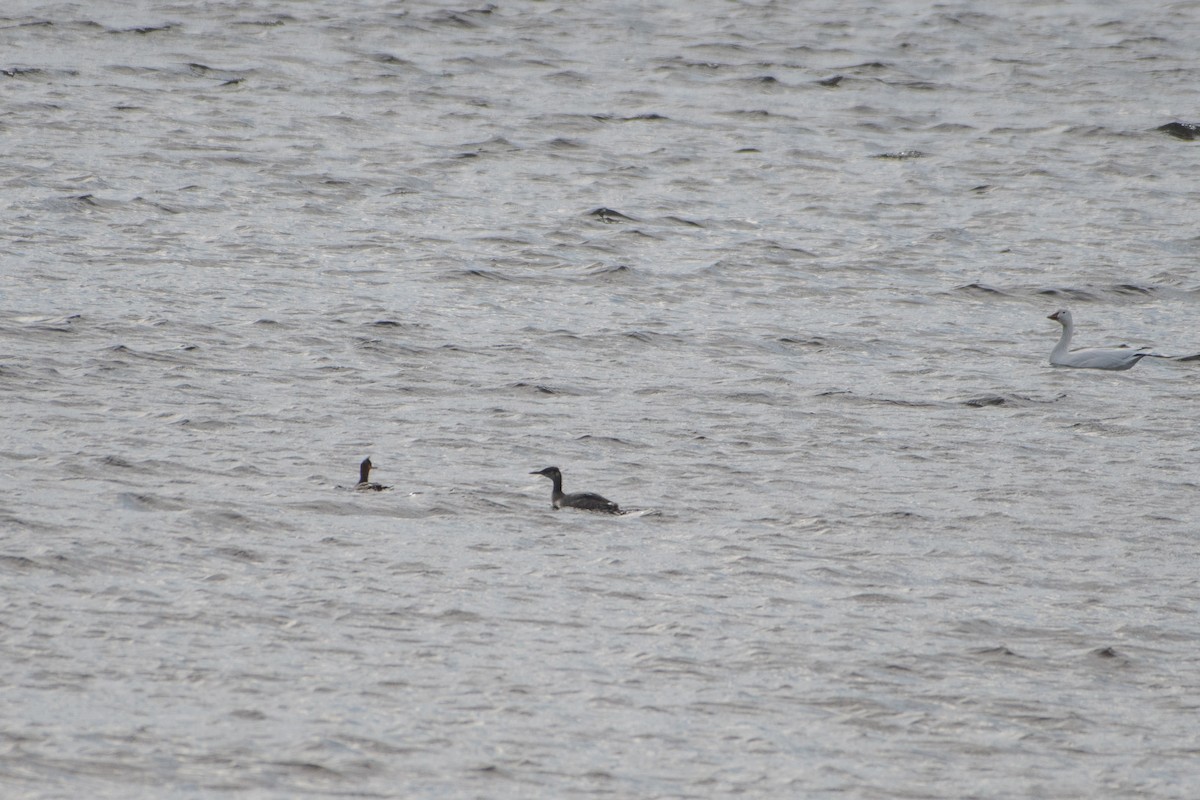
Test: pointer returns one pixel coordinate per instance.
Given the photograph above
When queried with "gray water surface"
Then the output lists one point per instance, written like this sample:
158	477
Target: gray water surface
773	276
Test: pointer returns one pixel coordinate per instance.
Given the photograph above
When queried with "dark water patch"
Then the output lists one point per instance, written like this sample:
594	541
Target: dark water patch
392	60
496	144
1114	291
990	400
140	355
997	652
1098	131
36	72
134	501
760	398
87	200
269	22
1105	652
610	215
473	18
569	76
512	239
850	396
228	519
65	324
681	221
543	389
981	289
118	462
750	112
915	85
482	274
204	70
812	341
902	515
141	201
1132	288
673	63
951	127
17	563
146	29
37	23
987	400
650	337
210	424
901	155
611	270
588	437
1075	295
1187	131
772	247
637	233
1082	294
760	80
368	343
309	769
238	554
832	81
877	599
563	143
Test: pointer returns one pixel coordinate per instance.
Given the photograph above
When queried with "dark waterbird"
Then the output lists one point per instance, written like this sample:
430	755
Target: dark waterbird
364	483
587	501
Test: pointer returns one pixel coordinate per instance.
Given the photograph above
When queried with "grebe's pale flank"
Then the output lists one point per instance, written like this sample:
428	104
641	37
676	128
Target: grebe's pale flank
585	500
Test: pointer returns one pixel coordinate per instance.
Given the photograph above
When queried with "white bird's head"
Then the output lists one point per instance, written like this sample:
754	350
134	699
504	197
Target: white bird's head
1061	316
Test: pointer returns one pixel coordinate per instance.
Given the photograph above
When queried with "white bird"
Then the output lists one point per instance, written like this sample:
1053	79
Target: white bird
1115	358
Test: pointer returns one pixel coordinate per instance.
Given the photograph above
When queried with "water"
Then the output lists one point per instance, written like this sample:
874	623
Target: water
774	275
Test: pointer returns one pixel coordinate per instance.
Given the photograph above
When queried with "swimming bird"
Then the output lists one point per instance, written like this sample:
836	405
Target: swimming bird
1114	358
585	500
364	485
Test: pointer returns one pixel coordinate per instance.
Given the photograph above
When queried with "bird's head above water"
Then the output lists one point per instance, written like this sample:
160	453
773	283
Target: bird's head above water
1062	315
549	472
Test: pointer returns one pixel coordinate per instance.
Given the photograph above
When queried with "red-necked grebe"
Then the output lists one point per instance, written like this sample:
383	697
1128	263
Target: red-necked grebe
364	484
585	500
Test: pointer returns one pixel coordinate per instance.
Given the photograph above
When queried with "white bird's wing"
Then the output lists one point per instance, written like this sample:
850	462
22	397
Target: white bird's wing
1102	358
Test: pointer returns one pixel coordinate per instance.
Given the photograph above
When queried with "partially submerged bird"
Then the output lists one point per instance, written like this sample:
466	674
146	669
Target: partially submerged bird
1114	358
364	484
585	500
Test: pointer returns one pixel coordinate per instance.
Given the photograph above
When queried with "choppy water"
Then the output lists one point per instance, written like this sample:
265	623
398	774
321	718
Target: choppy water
774	273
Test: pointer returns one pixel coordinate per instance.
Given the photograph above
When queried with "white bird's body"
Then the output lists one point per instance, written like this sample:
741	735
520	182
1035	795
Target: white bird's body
1111	358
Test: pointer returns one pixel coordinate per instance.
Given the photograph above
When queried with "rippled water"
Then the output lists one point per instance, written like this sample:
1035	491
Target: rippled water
774	275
